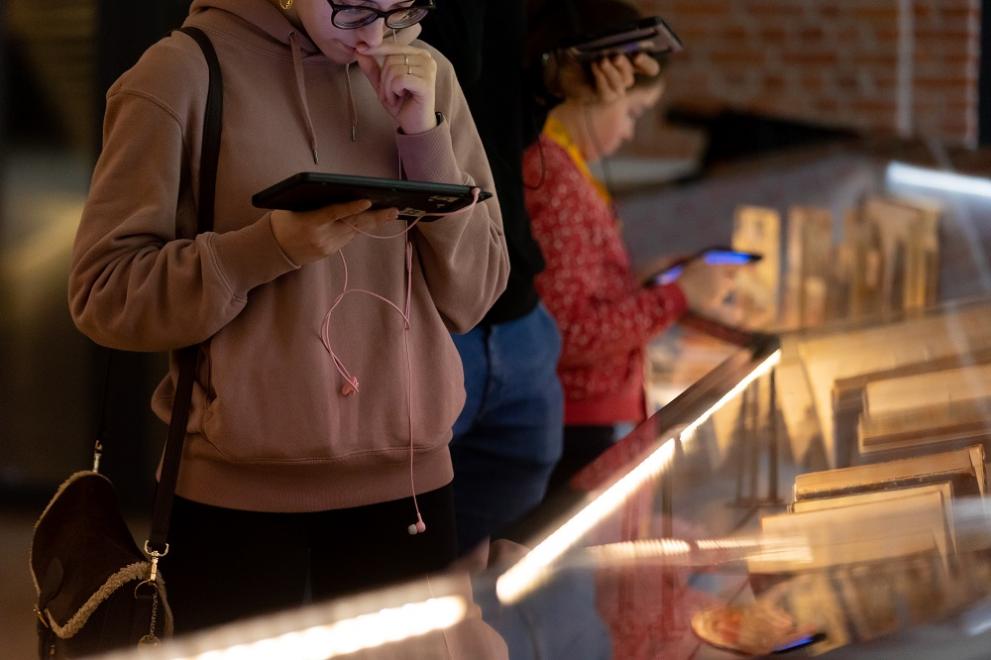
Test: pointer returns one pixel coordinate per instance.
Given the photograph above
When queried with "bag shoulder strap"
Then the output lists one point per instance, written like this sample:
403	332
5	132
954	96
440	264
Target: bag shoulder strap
186	357
212	126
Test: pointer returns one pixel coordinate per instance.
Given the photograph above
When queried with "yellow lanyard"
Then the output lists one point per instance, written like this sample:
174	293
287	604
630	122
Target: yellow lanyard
555	131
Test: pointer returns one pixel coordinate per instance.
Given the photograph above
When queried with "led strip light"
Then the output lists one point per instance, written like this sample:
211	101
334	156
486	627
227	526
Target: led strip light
919	177
532	569
358	633
642	549
759	371
767	548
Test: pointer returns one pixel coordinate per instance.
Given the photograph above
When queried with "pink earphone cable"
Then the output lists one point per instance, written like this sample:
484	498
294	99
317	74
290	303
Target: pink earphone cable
351	384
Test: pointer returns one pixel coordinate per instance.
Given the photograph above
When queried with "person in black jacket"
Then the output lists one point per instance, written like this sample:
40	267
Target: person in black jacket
508	437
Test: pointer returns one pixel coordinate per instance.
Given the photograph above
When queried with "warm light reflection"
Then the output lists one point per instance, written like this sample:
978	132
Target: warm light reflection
786	549
796	553
349	635
764	548
977	621
761	370
34	269
794	549
919	177
642	549
530	571
728	544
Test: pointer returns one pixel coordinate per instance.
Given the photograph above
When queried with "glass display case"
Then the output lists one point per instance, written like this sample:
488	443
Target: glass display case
823	490
815	493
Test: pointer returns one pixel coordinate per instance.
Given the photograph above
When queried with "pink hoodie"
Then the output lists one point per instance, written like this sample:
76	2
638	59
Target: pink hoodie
269	429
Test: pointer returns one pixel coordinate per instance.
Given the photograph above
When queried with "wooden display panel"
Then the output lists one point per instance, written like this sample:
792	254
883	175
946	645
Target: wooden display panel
964	468
758	230
810	266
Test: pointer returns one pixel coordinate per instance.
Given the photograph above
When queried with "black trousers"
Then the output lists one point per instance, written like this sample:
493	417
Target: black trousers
225	564
582	445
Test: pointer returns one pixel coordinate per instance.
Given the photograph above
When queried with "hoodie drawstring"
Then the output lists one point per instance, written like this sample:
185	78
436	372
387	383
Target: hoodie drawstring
297	65
352	109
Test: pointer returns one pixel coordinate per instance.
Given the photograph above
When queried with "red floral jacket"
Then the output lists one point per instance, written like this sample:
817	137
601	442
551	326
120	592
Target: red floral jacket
605	317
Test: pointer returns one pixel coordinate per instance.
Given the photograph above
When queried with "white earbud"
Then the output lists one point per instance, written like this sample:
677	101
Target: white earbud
419	527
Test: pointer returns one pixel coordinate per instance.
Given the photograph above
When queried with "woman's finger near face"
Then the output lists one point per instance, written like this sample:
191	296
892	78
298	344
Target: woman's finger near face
395	76
598	76
403	58
602	85
614	76
412	78
625	68
388	49
389	99
646	65
414	71
397	84
416	58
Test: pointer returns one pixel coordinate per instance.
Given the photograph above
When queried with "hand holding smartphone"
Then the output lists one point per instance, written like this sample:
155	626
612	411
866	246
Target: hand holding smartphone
649	35
799	643
602	65
713	256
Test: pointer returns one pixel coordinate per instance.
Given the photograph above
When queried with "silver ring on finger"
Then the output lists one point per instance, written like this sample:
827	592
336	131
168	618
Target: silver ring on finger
409	71
406	60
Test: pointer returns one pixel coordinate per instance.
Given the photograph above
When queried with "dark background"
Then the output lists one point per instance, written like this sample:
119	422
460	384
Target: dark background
54	70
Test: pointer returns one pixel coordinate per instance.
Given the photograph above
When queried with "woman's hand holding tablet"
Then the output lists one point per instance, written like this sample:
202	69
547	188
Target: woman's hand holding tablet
308	236
316	214
415	200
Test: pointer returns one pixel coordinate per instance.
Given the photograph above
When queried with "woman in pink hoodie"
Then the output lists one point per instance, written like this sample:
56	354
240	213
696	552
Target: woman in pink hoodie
316	446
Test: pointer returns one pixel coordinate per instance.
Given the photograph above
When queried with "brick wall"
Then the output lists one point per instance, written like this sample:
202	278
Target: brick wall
906	67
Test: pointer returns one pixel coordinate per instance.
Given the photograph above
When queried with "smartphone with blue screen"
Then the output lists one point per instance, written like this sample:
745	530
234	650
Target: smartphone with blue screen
800	643
714	256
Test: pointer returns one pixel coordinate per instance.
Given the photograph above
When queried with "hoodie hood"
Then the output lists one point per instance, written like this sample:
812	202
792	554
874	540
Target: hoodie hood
267	19
264	16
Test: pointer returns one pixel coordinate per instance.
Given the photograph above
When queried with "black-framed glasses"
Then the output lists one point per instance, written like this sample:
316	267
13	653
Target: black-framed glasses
352	17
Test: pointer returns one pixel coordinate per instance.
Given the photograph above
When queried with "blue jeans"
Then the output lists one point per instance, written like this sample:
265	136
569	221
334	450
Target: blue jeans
508	437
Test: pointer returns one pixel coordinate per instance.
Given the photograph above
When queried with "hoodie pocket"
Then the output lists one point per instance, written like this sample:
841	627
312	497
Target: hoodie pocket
280	401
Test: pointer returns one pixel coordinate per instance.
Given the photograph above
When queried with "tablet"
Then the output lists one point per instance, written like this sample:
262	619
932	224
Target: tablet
714	256
649	35
416	200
